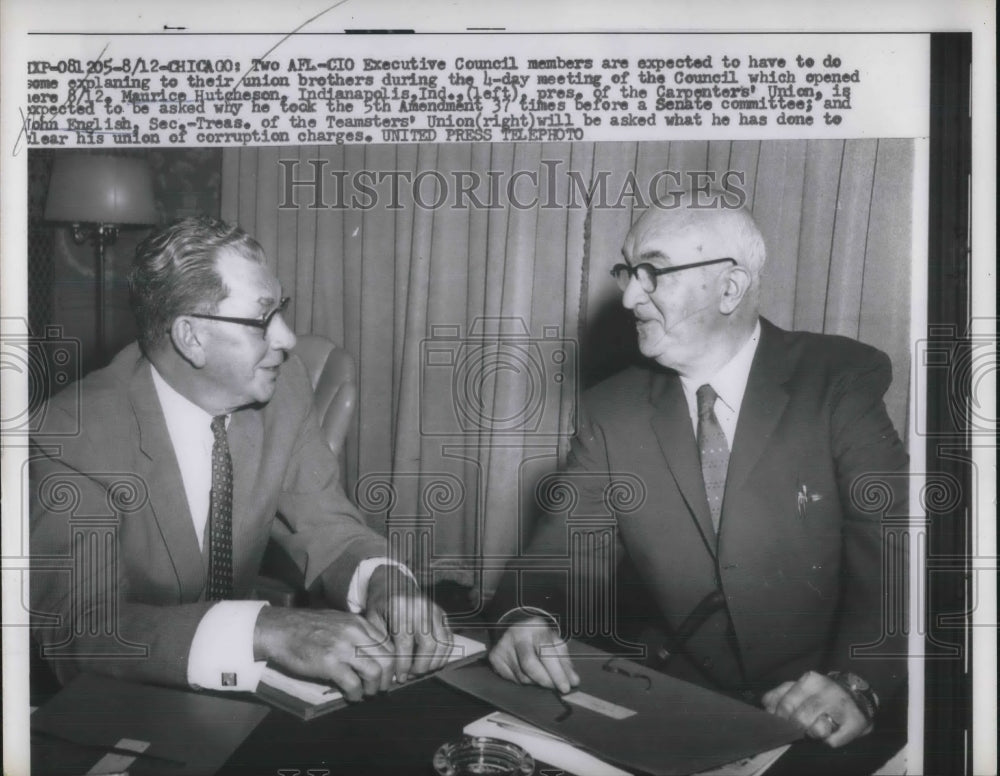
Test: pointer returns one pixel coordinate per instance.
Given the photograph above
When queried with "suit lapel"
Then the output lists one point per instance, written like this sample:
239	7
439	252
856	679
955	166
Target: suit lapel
246	431
166	489
672	426
763	405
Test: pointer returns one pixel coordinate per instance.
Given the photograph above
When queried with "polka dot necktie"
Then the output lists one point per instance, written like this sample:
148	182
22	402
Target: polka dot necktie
714	451
220	559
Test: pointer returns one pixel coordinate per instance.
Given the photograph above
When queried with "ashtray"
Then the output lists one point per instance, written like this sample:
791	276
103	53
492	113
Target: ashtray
476	755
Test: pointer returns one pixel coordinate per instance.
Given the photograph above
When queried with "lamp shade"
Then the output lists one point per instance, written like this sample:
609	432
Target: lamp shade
101	189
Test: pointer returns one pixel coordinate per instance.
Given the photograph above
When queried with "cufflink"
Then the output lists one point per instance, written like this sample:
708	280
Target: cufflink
228	679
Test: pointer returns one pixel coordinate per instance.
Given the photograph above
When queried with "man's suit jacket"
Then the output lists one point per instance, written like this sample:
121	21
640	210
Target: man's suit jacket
118	578
798	556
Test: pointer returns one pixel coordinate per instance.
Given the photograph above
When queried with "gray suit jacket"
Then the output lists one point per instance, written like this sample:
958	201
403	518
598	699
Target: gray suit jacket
117	583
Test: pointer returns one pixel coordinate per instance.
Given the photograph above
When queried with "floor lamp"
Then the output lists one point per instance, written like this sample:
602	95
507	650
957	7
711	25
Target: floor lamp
98	194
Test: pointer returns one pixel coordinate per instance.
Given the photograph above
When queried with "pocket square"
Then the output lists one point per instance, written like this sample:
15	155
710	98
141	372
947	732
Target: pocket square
803	497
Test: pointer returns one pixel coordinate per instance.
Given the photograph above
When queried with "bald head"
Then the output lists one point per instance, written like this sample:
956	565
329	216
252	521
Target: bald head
717	231
693	318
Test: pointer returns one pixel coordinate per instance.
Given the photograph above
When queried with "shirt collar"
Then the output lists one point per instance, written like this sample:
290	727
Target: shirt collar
178	410
729	382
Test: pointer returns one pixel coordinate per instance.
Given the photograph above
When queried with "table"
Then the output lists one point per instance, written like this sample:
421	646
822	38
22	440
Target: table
397	734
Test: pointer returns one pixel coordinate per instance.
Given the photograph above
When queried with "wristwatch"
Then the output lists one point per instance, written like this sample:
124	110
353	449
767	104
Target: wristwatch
860	691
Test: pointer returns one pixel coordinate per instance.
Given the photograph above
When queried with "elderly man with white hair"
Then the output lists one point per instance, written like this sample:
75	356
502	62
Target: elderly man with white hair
765	575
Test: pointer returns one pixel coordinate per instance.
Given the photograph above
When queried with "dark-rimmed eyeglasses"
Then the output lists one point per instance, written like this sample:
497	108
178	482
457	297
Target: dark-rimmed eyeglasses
646	274
262	323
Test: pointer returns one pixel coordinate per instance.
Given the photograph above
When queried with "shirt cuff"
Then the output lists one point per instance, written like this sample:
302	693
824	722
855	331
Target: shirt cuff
357	591
521	613
221	655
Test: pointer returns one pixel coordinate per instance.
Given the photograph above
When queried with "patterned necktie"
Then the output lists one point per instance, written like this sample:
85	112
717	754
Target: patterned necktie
220	558
714	451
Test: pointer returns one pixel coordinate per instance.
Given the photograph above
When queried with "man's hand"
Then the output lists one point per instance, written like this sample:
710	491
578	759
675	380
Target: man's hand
334	646
417	635
531	652
819	706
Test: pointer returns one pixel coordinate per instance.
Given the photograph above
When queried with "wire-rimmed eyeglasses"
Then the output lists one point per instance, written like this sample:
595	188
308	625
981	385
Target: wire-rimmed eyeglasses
611	668
262	323
646	274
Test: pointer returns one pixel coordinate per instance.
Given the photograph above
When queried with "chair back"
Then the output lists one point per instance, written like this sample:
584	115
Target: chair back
334	380
335	386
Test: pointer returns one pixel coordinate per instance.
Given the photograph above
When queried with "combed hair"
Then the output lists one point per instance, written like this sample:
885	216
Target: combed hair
174	273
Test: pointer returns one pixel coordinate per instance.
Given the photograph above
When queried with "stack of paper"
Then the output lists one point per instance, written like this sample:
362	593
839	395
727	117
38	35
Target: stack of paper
560	753
309	699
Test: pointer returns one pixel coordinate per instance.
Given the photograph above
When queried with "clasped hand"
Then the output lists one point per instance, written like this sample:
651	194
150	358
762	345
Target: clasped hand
820	706
400	634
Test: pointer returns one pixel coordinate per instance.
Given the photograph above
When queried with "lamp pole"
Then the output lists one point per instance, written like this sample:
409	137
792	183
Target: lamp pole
100	235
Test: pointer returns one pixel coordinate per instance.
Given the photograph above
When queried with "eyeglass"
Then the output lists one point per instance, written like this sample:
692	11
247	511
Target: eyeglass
646	274
611	668
262	323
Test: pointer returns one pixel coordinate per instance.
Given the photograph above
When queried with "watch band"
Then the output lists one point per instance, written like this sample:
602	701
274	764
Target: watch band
862	693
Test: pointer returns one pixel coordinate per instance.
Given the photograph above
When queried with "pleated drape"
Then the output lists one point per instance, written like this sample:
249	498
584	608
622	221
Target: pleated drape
518	297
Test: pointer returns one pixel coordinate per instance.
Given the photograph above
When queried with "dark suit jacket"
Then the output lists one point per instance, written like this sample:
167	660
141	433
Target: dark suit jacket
117	577
798	557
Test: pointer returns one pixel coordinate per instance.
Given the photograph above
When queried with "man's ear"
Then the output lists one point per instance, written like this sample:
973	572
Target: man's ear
187	343
735	284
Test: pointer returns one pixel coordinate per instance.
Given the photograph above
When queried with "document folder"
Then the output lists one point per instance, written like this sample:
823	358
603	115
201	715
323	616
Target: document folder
634	716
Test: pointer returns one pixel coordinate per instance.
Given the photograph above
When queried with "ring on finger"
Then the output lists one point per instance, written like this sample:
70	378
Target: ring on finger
834	725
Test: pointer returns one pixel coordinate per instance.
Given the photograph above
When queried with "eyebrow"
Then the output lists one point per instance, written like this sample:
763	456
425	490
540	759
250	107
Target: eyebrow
267	302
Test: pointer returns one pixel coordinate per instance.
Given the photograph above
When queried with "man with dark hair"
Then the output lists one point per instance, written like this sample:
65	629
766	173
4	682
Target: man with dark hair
207	424
763	571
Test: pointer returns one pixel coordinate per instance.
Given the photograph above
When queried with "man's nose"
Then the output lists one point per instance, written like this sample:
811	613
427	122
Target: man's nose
633	294
279	334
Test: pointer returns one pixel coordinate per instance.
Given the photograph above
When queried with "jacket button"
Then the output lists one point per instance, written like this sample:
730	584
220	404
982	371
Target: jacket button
707	662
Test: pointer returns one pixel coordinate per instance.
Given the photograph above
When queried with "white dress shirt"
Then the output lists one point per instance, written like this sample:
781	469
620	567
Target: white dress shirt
221	656
729	384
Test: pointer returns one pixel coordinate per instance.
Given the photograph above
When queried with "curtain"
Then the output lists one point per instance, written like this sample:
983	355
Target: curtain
470	282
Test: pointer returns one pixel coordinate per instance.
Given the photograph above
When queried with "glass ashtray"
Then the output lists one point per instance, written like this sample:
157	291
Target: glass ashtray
475	755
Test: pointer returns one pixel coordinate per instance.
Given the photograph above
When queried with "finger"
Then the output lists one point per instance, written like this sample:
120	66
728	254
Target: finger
346	679
770	699
500	662
444	640
823	726
371	658
531	666
425	647
402	649
376	631
791	701
372	669
557	664
561	648
848	732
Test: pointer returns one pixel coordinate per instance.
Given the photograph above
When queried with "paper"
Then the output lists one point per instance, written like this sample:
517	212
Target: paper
748	766
309	699
541	745
200	731
678	728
